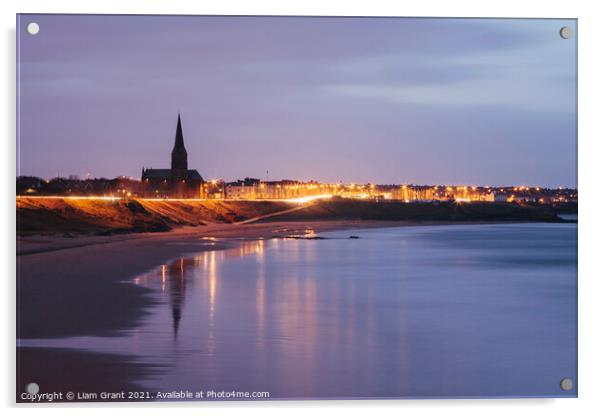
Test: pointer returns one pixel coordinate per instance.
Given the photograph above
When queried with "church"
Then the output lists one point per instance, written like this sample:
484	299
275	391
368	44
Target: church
177	182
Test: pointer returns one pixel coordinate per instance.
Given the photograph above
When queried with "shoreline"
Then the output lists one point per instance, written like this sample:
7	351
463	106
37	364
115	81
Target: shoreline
60	279
77	289
37	244
29	244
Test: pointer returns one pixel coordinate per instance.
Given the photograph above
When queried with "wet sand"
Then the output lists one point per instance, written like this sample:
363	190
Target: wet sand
73	287
63	370
43	243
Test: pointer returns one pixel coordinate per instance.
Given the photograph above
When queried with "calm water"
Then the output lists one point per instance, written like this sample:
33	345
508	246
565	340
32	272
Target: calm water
467	310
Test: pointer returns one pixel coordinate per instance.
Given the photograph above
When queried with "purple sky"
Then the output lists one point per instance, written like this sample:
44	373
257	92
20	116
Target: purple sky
385	100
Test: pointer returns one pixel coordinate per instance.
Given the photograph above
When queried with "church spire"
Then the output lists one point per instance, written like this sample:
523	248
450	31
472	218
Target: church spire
179	156
179	136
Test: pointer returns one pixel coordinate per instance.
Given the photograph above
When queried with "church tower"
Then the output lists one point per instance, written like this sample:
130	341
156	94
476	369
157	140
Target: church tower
179	156
177	182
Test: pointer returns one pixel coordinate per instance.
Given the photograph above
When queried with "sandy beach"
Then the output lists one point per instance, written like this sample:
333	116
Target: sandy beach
72	287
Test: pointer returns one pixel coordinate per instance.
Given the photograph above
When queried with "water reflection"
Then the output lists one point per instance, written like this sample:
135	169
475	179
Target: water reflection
260	296
177	291
395	313
175	275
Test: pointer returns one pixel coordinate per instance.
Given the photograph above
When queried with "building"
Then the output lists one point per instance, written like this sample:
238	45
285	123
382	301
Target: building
247	188
252	188
177	182
415	193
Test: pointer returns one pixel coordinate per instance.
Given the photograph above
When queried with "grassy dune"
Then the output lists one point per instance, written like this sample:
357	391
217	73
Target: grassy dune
93	216
431	212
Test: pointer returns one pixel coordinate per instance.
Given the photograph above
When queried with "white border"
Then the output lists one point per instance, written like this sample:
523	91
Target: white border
590	201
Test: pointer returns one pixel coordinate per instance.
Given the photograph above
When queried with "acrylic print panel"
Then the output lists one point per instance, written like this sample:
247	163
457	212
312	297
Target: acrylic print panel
267	208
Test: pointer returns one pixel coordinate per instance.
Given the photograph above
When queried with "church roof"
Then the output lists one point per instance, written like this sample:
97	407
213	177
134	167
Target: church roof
167	173
193	174
157	174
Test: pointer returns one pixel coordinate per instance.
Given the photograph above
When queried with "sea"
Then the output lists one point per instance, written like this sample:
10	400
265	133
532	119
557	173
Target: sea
484	310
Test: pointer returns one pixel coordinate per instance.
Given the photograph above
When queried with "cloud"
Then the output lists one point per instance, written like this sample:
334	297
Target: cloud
334	90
